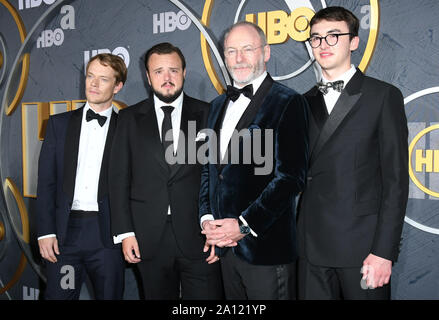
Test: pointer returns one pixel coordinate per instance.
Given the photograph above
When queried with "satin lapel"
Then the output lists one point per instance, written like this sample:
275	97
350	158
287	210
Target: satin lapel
344	105
150	134
250	112
103	176
255	104
319	115
216	122
318	109
71	149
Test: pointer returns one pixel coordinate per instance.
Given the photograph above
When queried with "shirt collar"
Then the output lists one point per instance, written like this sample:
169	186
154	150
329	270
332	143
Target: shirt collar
177	103
256	82
345	76
107	112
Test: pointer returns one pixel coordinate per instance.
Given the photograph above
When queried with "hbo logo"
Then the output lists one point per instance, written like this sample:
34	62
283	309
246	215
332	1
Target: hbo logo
49	38
168	21
119	51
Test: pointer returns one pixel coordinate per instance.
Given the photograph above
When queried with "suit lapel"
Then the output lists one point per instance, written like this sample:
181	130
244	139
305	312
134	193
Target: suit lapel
249	114
254	105
319	115
318	109
103	176
151	135
344	105
187	114
71	148
217	121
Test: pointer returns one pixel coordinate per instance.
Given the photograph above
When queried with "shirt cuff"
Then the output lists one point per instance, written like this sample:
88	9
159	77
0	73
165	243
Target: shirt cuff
204	218
52	235
246	224
118	239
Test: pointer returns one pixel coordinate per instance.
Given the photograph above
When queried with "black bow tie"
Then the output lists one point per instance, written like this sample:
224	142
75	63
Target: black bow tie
92	115
336	85
233	93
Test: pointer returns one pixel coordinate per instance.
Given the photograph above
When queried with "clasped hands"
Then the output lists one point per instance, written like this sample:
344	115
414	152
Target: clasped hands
220	233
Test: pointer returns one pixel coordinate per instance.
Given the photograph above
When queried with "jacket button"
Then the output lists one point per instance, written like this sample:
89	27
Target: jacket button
309	178
221	177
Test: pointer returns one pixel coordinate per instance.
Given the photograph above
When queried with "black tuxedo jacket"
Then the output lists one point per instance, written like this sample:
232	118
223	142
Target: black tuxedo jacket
142	185
57	174
357	185
266	201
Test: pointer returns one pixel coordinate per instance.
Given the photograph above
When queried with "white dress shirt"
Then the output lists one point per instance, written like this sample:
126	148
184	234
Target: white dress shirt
234	112
175	119
91	150
332	96
175	116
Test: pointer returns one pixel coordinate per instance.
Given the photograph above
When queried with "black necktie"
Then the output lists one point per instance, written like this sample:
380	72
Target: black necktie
92	115
233	92
336	85
166	126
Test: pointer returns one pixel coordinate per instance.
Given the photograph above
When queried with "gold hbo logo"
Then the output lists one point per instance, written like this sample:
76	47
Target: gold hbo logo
424	151
279	25
425	162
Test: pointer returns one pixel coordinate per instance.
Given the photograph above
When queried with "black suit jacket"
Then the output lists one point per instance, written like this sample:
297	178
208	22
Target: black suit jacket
57	174
266	201
142	186
357	185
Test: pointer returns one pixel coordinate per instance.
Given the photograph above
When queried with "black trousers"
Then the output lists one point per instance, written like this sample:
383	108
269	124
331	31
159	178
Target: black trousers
171	276
83	254
244	281
325	283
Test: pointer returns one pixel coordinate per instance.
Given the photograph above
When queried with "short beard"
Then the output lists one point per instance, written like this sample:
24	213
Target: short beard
169	98
257	71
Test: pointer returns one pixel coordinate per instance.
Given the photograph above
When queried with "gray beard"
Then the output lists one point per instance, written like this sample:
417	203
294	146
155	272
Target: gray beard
256	73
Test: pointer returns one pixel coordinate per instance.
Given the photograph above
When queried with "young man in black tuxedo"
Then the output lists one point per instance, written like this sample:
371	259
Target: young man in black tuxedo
352	210
154	202
73	212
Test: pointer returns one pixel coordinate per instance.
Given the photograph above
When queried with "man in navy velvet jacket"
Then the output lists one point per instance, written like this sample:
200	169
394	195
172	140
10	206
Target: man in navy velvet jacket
247	207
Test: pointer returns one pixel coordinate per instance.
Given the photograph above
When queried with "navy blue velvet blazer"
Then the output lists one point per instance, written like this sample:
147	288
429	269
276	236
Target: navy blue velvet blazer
266	201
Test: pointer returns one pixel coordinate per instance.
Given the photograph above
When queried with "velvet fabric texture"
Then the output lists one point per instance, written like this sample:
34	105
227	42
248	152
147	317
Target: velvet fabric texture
266	201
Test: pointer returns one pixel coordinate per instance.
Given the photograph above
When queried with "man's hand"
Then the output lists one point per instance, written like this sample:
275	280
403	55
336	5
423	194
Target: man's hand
48	248
130	249
212	258
222	232
376	271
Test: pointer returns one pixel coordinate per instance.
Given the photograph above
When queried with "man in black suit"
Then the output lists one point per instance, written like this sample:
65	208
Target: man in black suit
245	203
154	200
73	213
352	211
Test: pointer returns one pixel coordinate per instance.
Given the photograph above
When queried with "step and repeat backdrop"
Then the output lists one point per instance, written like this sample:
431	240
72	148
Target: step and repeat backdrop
45	45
